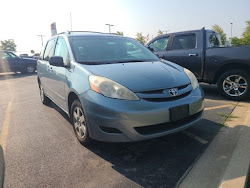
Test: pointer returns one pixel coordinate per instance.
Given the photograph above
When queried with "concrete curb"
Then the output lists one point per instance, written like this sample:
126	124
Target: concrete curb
225	162
2	167
237	170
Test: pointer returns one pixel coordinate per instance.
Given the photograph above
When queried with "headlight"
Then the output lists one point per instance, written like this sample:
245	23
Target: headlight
110	88
192	78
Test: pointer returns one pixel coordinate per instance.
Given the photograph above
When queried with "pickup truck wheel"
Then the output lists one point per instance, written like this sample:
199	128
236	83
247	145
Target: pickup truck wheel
79	123
234	85
45	100
30	69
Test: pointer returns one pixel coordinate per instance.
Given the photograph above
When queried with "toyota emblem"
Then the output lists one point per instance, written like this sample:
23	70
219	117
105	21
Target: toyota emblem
173	92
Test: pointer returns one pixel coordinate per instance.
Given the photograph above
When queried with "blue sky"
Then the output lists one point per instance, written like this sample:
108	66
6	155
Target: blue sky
24	20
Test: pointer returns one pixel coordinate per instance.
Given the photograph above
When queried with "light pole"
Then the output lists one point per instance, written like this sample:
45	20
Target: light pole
110	25
166	31
41	38
70	21
231	31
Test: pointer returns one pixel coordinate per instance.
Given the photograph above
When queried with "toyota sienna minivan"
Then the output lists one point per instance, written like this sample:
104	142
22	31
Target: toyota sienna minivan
116	90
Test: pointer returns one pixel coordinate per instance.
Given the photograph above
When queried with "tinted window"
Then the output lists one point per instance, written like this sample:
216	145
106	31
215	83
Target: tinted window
159	44
49	50
213	40
9	55
61	50
101	50
184	42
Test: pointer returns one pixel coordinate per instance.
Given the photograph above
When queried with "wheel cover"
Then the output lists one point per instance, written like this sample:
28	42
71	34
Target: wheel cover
79	122
30	69
235	85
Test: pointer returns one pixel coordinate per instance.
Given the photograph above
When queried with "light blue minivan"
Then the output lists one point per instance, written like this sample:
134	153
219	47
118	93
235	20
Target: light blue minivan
114	89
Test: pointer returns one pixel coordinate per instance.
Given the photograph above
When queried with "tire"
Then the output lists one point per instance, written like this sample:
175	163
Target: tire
30	69
234	85
79	123
45	100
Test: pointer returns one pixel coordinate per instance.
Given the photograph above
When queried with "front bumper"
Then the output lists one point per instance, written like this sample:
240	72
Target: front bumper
115	120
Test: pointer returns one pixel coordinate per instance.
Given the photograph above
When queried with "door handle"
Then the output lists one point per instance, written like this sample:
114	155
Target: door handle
192	55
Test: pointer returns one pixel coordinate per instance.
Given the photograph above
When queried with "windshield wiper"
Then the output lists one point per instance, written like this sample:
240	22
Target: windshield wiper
112	62
89	63
94	63
131	61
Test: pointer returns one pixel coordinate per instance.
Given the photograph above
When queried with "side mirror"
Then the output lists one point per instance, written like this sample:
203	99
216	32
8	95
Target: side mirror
56	61
151	49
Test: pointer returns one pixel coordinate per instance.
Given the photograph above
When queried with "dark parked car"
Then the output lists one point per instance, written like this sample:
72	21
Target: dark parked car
201	52
24	55
114	89
9	62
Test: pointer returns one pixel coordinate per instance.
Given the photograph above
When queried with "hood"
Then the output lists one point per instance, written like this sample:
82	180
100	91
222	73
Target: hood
142	76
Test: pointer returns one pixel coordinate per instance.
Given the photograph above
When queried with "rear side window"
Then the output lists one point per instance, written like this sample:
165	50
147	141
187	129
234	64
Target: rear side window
49	50
184	42
159	45
213	40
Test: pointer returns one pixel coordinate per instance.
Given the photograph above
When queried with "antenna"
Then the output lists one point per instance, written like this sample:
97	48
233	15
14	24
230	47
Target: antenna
71	21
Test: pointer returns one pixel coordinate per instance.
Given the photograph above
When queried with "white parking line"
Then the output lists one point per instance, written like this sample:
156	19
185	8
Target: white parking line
211	100
217	107
191	135
5	127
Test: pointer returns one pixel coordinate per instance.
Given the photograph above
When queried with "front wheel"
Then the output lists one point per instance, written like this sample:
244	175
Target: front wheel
79	123
45	100
234	85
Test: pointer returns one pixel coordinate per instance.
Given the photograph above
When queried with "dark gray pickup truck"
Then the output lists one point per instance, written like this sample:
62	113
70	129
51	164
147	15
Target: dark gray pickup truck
10	62
201	52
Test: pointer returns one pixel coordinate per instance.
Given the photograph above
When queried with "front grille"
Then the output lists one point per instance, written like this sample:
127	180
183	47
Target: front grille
167	99
159	91
161	95
158	128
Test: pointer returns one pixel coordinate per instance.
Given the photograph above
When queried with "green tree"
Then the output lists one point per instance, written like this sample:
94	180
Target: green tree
140	38
221	32
246	34
32	51
160	33
120	33
235	41
8	45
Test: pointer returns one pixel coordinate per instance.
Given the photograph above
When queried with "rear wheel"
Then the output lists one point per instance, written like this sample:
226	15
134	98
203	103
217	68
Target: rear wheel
234	85
79	123
30	69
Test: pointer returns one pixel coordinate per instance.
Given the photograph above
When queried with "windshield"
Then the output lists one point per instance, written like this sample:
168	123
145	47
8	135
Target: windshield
102	50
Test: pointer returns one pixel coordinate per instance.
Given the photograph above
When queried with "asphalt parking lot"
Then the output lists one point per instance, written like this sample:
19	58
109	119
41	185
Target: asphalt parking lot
41	150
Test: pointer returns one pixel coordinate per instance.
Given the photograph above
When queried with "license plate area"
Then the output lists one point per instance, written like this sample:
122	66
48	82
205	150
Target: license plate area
179	112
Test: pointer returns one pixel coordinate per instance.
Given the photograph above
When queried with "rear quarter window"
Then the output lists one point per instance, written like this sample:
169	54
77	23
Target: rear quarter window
184	42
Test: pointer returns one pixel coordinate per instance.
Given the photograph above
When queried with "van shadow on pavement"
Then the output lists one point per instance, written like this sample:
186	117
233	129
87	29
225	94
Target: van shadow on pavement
2	167
160	162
